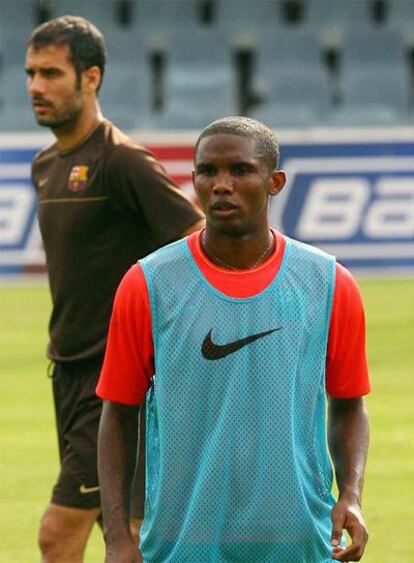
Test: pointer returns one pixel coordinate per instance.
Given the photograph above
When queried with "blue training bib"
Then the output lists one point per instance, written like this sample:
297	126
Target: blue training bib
237	462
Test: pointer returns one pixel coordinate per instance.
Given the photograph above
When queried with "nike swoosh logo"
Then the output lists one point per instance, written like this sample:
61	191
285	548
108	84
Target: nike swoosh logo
213	351
86	490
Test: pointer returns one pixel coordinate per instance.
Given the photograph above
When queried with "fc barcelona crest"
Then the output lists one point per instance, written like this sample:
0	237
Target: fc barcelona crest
77	178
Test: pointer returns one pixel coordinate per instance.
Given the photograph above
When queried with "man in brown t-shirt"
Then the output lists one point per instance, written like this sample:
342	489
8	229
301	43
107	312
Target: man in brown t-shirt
104	202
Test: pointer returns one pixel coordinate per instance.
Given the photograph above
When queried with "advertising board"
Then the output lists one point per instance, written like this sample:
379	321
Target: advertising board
348	193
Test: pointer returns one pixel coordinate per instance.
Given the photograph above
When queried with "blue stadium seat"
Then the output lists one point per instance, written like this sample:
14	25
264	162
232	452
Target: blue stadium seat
18	16
247	13
295	96
126	45
331	18
193	55
193	99
377	94
13	86
17	118
401	16
126	95
284	47
377	46
14	47
243	20
102	13
191	47
16	110
156	19
166	14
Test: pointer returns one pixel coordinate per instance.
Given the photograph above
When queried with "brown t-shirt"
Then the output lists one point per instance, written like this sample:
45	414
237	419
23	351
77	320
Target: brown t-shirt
102	206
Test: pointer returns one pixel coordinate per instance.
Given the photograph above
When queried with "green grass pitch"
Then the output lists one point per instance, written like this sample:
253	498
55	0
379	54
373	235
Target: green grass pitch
28	450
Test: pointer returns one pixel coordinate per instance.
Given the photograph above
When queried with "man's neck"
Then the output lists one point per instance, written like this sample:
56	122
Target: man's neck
71	137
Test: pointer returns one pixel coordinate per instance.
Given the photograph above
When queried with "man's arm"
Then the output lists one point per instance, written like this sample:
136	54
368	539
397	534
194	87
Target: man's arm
117	446
348	436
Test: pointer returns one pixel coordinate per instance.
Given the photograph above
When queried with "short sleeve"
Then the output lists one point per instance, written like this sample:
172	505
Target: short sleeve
346	366
137	184
129	359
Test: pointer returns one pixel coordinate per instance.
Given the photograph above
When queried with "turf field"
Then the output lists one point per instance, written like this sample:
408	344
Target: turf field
28	455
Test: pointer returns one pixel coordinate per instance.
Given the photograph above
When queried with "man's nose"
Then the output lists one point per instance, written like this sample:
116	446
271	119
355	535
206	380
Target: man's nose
223	184
35	85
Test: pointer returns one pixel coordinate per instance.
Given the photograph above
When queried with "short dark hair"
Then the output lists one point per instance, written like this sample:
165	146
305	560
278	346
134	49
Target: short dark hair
86	43
266	141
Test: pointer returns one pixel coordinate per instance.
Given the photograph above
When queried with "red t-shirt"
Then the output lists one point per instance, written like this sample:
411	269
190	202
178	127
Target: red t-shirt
129	359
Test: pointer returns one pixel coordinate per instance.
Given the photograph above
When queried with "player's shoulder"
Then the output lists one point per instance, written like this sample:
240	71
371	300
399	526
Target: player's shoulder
169	254
306	253
133	277
120	146
346	286
45	155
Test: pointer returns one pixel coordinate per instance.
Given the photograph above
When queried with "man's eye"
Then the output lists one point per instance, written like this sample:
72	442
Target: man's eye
206	170
51	73
241	169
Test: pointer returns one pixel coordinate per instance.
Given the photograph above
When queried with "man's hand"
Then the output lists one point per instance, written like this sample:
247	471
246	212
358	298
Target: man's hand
127	552
347	515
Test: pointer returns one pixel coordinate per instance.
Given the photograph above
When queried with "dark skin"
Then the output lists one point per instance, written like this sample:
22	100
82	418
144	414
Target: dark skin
117	449
348	437
233	183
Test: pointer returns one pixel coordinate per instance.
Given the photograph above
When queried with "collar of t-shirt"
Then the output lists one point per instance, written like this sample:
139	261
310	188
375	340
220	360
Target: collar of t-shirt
238	283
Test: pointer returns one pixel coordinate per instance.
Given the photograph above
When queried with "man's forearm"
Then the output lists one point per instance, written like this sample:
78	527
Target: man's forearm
117	446
348	434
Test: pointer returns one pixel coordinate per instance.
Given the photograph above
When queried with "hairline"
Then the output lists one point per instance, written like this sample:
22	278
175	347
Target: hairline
258	152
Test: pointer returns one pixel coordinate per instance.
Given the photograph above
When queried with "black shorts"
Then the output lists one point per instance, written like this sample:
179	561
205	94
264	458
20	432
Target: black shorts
78	412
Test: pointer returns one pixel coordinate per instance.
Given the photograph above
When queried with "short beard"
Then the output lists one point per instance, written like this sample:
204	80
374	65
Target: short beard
60	122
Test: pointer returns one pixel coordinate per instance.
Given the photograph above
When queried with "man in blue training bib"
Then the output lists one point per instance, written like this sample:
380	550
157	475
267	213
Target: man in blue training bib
250	349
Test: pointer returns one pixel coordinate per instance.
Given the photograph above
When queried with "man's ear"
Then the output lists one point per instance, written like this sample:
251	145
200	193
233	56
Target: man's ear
277	181
91	78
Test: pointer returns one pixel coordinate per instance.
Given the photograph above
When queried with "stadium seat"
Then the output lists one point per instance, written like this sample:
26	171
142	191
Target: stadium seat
14	47
18	16
373	95
104	13
401	16
166	14
125	95
193	99
376	46
16	110
243	21
190	55
285	47
331	18
285	115
191	47
17	118
155	20
126	45
295	96
365	115
13	86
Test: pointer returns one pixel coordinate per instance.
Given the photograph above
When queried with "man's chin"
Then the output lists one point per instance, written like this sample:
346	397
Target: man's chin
51	123
44	121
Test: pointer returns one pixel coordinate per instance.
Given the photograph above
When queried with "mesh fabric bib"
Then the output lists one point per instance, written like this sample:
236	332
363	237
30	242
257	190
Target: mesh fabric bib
237	462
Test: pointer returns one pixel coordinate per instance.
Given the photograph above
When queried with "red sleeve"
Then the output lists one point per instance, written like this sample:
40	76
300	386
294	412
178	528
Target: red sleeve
129	359
346	365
